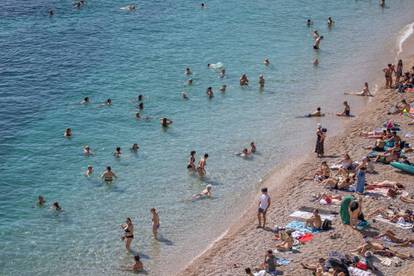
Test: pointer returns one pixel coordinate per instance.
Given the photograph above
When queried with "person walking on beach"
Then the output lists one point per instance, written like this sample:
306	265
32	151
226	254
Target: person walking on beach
129	233
320	139
264	204
388	75
155	223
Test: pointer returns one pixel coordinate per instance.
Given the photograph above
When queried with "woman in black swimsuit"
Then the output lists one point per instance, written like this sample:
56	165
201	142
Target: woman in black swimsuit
129	233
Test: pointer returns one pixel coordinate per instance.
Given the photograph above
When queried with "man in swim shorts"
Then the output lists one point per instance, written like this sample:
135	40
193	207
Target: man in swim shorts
264	203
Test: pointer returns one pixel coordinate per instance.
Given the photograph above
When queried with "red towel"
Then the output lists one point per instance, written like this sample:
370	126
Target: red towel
305	238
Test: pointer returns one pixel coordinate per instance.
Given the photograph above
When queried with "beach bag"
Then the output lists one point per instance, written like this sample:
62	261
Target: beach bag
326	225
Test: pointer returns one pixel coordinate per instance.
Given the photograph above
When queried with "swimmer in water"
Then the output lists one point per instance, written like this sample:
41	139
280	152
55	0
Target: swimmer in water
309	23
252	147
129	233
315	35
55	206
222	73
206	193
140	98
261	81
135	148
245	153
382	3
244	80
40	201
131	7
184	95
155	223
315	62
87	151
188	71
165	122
190	82
317	42
223	88
330	22
266	62
209	92
117	152
85	100
191	161
68	132
141	106
317	113
51	12
137	116
201	169
108	102
203	5
108	175
138	266
89	171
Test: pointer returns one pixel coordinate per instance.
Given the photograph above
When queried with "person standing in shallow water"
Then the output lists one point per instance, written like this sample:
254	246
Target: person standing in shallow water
129	233
264	204
201	169
155	223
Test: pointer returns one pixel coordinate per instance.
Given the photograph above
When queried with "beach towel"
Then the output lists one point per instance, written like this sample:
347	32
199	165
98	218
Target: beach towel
378	191
282	261
387	261
353	271
300	226
305	238
400	224
307	215
344	209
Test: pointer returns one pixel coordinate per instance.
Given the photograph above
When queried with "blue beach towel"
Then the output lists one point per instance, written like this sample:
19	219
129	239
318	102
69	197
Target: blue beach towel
300	226
282	261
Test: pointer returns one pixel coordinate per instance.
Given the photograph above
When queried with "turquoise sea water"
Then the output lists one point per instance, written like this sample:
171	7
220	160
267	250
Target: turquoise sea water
48	65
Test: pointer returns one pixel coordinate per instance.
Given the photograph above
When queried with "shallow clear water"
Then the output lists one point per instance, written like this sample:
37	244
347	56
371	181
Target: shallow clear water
47	65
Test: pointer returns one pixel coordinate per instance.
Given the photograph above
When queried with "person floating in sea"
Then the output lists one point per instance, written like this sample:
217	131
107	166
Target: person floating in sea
266	62
51	12
87	151
108	102
117	152
135	148
108	175
223	88
206	193
264	204
89	171
188	71
68	132
309	22
184	95
244	80
191	161
222	73
155	223
203	5
201	169
364	92
346	112
165	122
40	201
261	81
55	206
209	92
317	42
330	22
85	101
317	113
128	236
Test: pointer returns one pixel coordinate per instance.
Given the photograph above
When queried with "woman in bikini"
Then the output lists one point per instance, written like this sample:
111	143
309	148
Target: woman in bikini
191	161
201	169
129	233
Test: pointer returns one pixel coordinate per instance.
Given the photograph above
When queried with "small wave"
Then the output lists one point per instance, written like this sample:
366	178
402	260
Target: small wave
406	32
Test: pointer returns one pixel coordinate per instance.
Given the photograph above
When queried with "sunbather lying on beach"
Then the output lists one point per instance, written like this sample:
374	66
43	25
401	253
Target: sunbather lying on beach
390	235
407	199
385	184
401	107
374	134
317	268
287	241
379	146
390	156
339	183
326	198
346	163
394	215
381	250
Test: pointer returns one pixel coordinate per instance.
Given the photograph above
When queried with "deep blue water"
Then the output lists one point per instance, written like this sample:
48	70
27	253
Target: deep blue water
49	64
